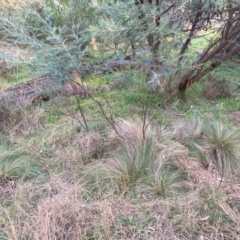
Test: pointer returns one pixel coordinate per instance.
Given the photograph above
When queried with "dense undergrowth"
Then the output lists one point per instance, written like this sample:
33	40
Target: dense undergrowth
123	163
166	171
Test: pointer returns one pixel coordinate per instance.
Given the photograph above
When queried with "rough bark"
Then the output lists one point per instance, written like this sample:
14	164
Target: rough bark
217	53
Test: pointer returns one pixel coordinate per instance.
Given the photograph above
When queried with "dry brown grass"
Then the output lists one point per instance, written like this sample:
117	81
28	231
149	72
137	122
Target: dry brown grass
188	131
61	208
22	120
162	137
133	131
92	146
216	88
71	147
62	213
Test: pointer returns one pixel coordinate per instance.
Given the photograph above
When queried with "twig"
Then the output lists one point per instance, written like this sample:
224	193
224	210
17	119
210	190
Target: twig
109	120
70	114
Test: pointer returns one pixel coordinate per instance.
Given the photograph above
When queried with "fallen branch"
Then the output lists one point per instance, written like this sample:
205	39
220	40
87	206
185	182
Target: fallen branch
115	64
111	65
41	89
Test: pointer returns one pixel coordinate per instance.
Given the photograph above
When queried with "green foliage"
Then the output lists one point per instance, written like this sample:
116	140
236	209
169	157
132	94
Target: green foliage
55	35
136	223
53	115
145	166
12	75
58	33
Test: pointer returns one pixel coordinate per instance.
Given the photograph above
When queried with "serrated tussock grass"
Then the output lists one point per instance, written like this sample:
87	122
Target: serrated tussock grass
17	165
139	161
211	143
166	179
197	152
222	147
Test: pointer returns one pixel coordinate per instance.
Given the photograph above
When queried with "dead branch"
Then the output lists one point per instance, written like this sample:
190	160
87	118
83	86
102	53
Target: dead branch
41	89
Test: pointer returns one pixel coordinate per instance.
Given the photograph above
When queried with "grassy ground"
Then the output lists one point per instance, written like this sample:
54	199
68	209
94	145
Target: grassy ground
172	174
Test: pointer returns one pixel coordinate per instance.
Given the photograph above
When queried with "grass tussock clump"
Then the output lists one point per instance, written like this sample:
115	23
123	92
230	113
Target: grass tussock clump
127	132
134	191
213	145
17	165
148	162
166	179
222	148
129	164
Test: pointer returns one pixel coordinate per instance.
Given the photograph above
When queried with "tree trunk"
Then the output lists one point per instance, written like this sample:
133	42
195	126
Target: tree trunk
191	78
218	52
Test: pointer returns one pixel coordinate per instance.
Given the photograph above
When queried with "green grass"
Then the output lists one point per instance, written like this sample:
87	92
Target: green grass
17	75
53	115
95	81
127	99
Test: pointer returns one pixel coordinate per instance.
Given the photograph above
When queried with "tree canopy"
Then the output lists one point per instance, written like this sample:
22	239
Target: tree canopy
155	34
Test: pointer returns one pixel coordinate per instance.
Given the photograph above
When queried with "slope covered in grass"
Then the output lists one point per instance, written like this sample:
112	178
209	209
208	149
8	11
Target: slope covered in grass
123	163
153	173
